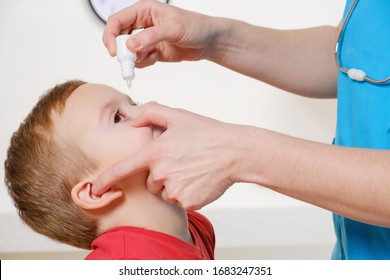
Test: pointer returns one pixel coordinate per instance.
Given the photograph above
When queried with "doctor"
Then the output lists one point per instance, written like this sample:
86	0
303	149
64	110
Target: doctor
350	178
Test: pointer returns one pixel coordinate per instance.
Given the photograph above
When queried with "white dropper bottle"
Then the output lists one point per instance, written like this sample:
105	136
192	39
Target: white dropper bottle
126	57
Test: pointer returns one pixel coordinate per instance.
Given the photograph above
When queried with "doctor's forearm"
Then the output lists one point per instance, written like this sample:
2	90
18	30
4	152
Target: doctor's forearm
299	61
351	182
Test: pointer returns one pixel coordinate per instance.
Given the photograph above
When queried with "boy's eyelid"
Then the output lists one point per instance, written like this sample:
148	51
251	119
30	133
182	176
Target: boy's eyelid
121	114
124	110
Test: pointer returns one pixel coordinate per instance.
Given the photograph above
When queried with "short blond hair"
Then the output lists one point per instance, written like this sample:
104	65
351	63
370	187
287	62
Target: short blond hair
41	169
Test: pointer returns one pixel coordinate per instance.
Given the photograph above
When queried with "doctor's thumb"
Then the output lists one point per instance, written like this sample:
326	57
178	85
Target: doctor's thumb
152	113
146	39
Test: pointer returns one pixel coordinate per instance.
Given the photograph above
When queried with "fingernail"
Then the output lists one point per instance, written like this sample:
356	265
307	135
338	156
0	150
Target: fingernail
113	50
134	44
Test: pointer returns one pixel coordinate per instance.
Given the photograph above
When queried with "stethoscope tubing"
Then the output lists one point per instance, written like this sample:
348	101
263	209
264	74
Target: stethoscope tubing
354	74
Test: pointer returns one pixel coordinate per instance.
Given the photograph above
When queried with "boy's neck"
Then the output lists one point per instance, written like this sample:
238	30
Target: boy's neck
172	221
140	208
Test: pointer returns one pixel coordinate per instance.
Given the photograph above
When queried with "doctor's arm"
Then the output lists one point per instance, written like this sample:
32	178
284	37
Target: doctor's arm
209	158
299	61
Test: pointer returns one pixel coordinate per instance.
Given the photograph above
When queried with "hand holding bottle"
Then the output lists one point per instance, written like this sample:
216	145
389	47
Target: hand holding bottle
171	34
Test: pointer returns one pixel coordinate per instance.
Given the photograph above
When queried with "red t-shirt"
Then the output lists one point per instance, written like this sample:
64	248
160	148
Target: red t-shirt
133	243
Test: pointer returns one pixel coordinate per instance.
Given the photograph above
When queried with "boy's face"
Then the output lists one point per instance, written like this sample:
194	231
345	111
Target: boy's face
98	118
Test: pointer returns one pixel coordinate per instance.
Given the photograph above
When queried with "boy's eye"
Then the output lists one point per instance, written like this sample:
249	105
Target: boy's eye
119	117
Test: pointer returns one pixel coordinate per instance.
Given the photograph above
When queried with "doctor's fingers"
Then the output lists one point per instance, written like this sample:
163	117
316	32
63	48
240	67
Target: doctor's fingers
144	14
122	22
156	114
153	185
171	194
120	170
169	198
184	195
146	58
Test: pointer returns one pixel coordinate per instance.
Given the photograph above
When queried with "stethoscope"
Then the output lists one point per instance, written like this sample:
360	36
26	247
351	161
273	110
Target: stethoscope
353	73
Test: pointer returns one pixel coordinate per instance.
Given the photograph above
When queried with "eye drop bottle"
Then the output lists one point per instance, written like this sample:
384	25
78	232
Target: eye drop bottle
126	57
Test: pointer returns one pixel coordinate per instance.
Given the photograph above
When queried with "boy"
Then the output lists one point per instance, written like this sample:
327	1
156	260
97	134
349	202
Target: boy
73	133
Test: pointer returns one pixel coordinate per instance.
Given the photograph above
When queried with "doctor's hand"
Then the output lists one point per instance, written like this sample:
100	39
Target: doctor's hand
192	163
171	34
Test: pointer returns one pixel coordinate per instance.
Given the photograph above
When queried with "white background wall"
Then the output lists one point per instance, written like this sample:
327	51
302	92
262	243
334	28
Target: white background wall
46	42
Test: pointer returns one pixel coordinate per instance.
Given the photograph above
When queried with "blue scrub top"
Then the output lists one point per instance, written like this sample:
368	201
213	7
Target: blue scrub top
363	118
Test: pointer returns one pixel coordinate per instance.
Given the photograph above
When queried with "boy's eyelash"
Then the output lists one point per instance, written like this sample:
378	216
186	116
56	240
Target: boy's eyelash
121	115
119	112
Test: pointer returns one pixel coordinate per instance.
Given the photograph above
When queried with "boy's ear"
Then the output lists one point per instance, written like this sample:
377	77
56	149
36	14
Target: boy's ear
83	197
